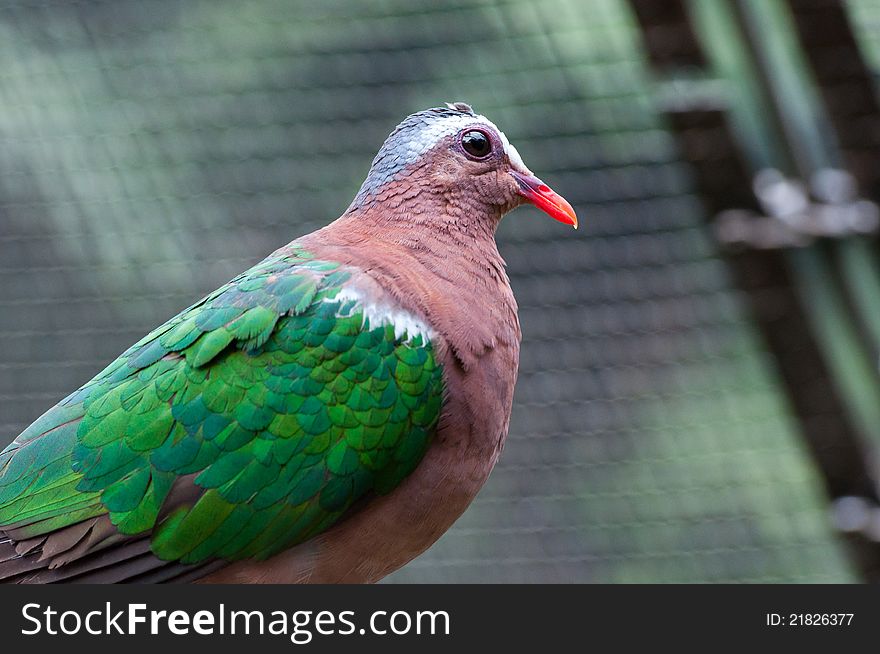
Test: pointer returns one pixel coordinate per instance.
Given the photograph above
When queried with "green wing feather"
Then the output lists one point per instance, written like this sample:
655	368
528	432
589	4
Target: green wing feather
281	400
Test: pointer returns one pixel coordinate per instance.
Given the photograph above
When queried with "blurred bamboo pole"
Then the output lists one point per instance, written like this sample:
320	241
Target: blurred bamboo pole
812	299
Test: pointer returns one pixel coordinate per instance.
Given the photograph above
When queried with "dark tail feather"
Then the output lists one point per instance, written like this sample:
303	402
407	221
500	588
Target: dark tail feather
13	564
93	553
94	566
178	573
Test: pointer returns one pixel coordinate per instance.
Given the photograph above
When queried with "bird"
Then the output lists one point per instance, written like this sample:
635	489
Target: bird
324	417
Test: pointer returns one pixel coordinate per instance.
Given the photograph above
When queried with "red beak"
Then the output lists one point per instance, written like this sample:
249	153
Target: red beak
545	198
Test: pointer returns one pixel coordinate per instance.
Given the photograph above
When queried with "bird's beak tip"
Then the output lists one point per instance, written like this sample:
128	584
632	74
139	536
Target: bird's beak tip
546	199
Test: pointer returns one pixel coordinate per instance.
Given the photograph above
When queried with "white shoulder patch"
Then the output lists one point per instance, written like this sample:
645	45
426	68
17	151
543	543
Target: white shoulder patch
381	312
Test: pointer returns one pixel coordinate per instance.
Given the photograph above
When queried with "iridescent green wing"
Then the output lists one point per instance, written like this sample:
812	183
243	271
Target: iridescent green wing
274	394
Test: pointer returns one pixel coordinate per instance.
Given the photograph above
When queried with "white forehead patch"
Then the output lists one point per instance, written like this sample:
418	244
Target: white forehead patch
512	154
407	144
439	129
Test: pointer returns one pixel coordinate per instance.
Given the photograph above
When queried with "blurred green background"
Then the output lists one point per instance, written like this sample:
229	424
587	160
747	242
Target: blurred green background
152	149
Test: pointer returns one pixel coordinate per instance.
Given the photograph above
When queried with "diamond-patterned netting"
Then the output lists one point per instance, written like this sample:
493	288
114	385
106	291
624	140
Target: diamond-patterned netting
151	150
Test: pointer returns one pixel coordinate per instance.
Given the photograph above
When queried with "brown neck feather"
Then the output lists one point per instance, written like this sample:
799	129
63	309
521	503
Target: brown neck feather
436	254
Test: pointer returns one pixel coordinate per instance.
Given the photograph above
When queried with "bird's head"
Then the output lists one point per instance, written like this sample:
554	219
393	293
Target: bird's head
456	153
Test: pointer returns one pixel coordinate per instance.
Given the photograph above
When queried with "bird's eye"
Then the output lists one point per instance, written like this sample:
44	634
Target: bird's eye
476	143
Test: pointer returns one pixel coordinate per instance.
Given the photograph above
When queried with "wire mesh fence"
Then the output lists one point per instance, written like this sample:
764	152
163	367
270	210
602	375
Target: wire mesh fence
151	150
